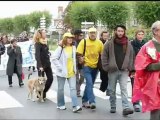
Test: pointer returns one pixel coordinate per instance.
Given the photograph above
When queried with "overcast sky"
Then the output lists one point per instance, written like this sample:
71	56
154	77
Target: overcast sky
13	8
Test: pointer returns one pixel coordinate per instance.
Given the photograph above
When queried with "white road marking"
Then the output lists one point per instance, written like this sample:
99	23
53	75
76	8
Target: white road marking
100	94
7	101
52	95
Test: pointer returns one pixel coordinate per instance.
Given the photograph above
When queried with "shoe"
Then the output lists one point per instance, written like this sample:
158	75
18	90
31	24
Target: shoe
61	108
21	84
10	85
127	111
137	108
92	106
77	109
79	95
86	105
113	110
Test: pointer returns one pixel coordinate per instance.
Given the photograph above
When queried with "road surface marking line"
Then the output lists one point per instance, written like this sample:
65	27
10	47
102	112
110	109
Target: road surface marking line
52	95
100	94
7	101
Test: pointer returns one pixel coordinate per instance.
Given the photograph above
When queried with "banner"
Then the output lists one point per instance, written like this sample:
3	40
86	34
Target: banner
28	55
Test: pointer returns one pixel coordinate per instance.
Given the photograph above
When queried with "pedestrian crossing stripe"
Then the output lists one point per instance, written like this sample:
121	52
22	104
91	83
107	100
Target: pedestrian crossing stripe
7	101
98	93
52	95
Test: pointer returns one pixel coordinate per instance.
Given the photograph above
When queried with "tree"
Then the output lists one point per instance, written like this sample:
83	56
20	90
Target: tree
6	25
80	12
34	18
147	12
66	18
112	13
21	23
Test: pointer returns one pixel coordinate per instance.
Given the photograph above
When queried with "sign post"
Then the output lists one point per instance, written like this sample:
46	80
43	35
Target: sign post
85	26
43	22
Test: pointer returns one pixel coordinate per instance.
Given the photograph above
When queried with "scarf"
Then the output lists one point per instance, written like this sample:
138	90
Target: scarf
138	43
122	41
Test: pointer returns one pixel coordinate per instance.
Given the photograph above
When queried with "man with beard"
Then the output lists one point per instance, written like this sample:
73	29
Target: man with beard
117	60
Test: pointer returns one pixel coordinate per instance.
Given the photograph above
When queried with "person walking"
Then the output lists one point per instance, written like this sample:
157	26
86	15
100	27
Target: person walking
14	64
88	52
137	43
147	77
3	40
78	36
42	56
64	59
103	74
31	51
117	59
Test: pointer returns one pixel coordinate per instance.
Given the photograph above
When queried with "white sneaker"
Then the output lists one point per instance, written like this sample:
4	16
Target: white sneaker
77	109
61	107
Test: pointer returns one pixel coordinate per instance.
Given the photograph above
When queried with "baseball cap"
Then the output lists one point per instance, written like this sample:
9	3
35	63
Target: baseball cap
67	35
92	29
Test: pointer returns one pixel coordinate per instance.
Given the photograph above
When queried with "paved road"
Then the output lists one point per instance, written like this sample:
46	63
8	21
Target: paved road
14	104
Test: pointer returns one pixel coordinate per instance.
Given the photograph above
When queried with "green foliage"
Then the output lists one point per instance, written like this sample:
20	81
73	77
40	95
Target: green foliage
34	18
21	23
6	25
147	12
80	12
131	33
112	13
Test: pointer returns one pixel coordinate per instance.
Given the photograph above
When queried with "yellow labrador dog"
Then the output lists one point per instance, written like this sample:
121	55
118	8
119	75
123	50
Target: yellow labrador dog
37	86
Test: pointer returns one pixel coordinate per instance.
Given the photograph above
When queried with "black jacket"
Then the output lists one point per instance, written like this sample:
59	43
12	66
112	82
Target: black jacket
136	44
42	55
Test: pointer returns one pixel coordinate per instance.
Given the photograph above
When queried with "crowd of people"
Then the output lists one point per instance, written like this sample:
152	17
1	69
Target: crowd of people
116	58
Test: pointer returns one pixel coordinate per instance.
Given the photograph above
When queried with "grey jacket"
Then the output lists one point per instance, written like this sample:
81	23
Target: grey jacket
108	58
14	55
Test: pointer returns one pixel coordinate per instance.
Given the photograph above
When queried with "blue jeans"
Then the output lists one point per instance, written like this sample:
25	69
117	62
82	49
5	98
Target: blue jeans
122	76
90	75
73	92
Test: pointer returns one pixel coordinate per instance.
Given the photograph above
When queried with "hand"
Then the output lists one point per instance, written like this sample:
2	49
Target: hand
132	75
41	69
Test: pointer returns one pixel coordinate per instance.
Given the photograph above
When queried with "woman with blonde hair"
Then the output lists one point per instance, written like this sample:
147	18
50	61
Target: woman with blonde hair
64	59
42	56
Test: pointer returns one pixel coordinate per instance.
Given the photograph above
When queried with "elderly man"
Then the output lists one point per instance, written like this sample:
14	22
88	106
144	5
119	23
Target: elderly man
117	60
88	52
147	77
